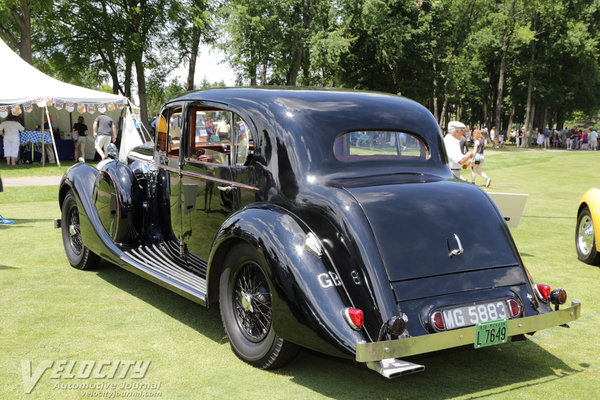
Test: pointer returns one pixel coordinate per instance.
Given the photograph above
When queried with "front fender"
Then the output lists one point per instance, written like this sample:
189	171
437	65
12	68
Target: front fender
591	199
308	301
81	179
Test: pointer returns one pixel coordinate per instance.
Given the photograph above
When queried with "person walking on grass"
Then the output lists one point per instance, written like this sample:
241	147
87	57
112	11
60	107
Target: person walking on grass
478	146
102	128
456	158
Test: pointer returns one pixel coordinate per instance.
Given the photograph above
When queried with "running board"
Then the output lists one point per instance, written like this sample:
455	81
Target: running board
163	265
393	367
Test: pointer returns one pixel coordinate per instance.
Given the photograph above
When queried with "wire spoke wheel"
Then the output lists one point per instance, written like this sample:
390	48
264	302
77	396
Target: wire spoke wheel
74	231
252	302
77	253
246	304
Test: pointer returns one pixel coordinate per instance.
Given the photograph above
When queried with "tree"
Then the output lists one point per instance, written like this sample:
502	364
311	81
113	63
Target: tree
192	24
16	23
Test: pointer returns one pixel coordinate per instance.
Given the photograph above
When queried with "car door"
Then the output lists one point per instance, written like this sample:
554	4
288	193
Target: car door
168	152
216	180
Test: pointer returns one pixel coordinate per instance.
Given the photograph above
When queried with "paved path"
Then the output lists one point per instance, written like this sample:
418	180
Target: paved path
31	181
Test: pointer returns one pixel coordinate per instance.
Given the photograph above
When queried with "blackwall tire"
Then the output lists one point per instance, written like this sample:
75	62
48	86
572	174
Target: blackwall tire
246	311
79	256
585	240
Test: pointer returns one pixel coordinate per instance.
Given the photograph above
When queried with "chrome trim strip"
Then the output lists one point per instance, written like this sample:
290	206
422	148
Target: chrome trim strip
377	351
209	178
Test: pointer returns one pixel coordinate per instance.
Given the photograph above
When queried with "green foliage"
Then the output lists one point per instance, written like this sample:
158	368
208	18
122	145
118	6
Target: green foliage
444	54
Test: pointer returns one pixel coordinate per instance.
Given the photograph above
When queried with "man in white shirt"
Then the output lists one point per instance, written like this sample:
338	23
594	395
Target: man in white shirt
456	159
10	129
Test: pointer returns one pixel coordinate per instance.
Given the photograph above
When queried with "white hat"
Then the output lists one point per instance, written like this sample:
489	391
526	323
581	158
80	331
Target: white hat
454	125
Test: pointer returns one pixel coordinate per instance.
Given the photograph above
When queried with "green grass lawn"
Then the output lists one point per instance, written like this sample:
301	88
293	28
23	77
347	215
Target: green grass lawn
49	311
9	171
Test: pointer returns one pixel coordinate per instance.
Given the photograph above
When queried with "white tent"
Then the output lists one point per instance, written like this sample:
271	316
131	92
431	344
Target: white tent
24	87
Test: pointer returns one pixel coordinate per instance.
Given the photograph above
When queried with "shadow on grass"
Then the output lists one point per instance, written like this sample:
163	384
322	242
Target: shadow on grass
455	372
205	321
450	373
7	267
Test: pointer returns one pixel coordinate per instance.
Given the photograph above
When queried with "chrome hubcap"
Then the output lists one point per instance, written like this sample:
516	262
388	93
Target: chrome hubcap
585	235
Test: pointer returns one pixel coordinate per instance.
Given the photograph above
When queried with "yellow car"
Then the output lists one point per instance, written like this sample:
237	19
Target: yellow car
587	231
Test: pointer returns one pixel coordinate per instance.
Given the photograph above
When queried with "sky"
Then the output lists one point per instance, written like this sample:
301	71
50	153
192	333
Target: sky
209	65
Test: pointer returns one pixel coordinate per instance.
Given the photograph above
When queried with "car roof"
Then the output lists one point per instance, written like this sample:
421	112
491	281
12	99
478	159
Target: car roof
312	118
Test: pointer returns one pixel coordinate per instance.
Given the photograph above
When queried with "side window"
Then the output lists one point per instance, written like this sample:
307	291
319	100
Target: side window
161	133
219	137
174	133
244	146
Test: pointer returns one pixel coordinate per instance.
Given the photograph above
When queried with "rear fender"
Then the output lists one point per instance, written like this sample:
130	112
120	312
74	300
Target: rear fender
308	301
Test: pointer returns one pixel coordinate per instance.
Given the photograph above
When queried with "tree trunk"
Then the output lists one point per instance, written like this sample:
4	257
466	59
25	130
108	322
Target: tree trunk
510	122
443	118
300	46
263	75
23	21
194	43
141	80
435	99
127	81
253	65
530	108
505	43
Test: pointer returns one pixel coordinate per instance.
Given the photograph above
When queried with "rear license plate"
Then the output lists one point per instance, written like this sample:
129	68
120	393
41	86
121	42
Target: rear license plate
459	317
491	332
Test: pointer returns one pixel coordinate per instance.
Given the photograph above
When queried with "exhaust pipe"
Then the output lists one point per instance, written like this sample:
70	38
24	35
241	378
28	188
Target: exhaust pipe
393	367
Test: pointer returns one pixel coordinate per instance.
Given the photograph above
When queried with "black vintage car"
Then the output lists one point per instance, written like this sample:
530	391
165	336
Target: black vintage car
325	219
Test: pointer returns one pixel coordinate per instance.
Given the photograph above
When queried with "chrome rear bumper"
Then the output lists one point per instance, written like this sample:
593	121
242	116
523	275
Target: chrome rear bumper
377	351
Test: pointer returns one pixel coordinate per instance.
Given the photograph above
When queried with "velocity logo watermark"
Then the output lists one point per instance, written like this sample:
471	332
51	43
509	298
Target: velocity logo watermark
86	369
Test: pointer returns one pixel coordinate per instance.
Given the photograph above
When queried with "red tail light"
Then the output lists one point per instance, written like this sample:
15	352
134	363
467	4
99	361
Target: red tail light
542	292
515	309
438	321
354	318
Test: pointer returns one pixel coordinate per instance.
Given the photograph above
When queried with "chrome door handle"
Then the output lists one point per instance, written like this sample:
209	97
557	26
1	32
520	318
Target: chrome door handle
226	188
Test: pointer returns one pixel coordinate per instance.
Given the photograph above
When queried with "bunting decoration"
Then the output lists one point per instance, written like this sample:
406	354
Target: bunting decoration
80	108
111	107
101	108
16	110
69	106
58	104
91	108
48	102
27	106
40	101
3	111
121	105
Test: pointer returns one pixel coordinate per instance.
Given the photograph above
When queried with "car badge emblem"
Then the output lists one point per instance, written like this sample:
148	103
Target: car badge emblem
455	248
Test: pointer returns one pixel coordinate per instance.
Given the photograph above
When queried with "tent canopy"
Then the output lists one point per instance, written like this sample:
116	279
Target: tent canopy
23	83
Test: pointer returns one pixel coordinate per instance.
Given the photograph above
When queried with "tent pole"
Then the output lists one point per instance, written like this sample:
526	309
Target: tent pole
51	137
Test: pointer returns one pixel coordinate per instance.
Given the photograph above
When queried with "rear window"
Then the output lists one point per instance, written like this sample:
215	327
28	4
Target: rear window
379	145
